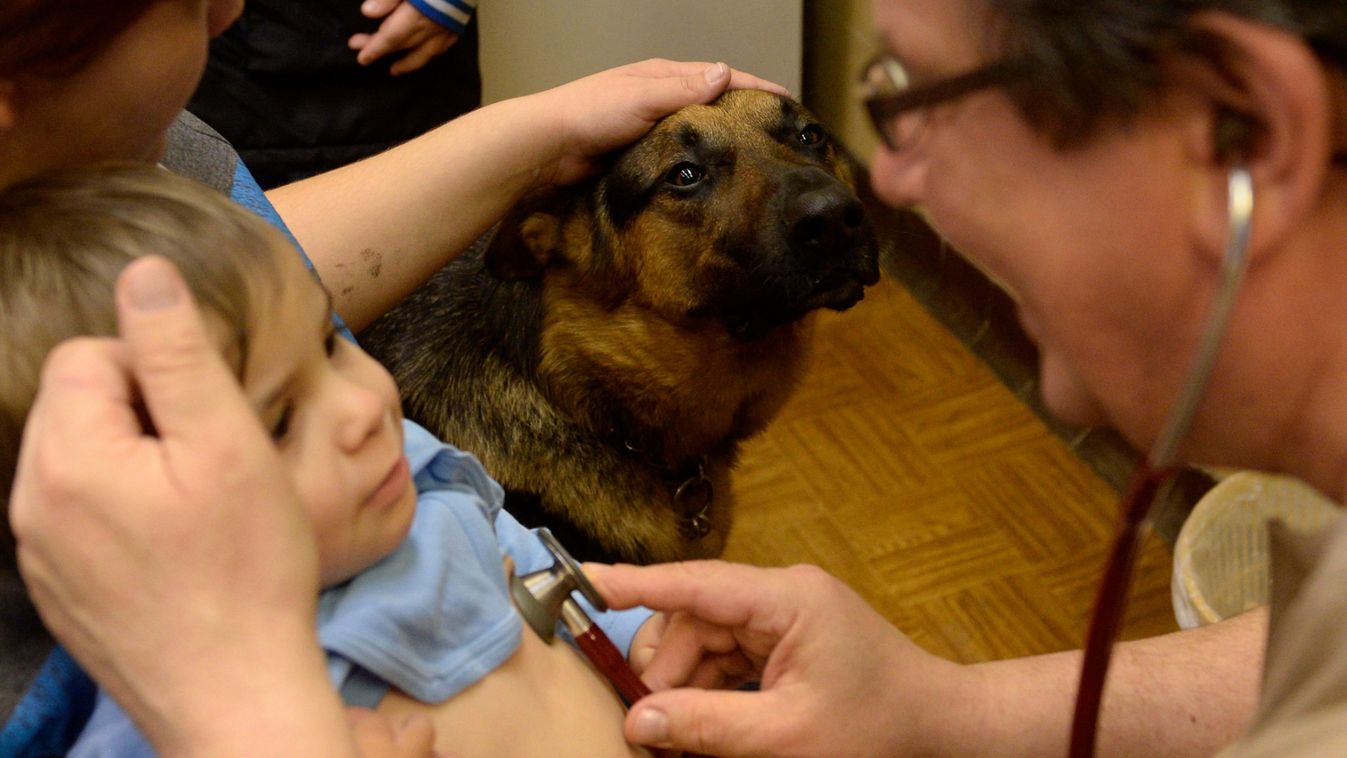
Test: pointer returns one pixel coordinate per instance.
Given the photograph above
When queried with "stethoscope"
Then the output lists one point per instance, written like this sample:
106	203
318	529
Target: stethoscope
1135	504
546	596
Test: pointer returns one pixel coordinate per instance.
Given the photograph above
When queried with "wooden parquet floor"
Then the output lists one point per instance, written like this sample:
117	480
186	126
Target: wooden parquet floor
904	467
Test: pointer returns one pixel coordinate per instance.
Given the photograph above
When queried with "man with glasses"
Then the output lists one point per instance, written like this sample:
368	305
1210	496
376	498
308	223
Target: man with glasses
1159	185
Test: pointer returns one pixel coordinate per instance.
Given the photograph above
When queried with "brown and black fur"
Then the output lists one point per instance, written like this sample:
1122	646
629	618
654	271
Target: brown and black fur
616	341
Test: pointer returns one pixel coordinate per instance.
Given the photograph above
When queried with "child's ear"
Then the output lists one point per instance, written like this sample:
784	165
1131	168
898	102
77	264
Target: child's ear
527	238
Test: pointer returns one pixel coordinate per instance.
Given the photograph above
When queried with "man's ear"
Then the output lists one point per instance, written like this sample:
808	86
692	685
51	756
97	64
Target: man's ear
1267	106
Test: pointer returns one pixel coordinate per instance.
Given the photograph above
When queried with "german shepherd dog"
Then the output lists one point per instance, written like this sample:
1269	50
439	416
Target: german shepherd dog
606	350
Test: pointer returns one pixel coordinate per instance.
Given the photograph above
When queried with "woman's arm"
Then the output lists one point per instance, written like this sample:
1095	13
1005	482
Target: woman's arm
378	228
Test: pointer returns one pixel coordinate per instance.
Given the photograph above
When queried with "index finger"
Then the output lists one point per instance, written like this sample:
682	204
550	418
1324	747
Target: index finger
183	379
81	412
729	594
744	80
85	386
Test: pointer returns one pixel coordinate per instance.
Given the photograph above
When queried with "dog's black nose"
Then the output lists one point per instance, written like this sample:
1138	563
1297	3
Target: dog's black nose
824	219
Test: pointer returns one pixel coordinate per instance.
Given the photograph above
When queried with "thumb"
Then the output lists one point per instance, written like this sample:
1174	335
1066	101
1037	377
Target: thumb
690	83
712	82
704	85
378	8
177	365
718	77
710	722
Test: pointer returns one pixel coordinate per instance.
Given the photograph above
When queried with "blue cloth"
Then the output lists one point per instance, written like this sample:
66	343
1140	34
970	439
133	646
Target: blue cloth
52	712
430	619
453	15
435	616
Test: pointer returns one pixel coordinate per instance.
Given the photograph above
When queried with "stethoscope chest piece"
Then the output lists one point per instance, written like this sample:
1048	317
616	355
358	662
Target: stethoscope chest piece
541	595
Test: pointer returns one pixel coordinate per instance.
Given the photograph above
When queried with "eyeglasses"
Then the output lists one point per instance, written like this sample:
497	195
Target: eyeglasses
898	111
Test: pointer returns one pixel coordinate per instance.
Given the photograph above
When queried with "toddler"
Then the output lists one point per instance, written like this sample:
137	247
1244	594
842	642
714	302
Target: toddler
416	614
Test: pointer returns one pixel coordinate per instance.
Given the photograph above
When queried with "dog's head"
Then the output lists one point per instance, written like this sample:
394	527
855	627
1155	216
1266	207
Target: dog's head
742	212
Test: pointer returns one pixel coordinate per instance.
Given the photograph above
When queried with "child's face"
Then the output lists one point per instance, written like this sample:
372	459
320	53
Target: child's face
335	415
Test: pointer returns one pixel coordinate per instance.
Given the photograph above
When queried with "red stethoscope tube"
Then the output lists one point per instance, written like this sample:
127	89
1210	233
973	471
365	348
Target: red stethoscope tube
607	659
602	652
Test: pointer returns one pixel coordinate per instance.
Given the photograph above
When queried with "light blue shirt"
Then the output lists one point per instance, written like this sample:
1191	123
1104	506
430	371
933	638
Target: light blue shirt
430	619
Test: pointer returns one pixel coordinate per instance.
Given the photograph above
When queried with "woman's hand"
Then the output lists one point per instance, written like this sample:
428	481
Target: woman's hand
613	108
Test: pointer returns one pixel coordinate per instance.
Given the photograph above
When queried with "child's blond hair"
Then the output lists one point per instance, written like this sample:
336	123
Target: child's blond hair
64	237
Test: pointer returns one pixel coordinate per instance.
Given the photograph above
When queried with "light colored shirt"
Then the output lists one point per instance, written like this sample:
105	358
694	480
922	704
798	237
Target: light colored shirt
1303	706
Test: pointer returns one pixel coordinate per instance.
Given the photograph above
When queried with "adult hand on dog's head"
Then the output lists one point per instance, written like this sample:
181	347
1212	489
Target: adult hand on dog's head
177	567
836	678
613	108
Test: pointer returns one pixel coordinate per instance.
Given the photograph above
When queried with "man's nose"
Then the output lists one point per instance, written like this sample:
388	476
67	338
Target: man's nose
899	179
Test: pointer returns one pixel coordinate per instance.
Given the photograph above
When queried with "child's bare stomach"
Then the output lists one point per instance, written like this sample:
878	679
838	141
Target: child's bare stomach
545	700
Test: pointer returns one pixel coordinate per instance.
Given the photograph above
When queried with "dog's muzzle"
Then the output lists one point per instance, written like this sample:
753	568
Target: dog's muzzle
815	249
830	241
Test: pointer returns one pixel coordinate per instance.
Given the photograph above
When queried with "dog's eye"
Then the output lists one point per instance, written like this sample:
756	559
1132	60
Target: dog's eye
685	175
812	135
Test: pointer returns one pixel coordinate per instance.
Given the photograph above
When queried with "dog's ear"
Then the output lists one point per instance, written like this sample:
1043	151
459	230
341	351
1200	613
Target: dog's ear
528	237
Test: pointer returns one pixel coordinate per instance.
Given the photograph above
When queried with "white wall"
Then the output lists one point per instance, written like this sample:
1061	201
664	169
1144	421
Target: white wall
529	45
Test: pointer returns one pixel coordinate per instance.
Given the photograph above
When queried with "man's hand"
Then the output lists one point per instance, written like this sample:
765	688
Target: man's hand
836	678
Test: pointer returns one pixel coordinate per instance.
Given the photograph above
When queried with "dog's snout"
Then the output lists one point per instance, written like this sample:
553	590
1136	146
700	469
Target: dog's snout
824	219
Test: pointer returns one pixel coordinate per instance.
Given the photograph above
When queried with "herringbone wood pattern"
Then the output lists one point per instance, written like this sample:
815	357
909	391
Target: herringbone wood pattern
904	467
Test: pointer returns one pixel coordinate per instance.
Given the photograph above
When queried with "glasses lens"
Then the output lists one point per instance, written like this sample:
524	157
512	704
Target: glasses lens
882	81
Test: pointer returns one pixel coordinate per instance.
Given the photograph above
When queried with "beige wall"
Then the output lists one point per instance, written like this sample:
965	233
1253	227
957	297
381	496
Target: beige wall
528	45
814	47
839	39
